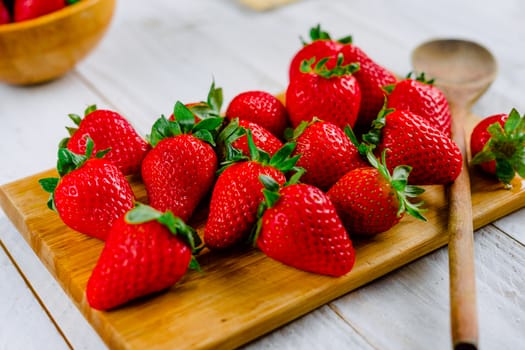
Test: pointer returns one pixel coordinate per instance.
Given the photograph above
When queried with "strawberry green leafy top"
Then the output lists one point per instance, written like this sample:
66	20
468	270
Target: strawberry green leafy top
506	146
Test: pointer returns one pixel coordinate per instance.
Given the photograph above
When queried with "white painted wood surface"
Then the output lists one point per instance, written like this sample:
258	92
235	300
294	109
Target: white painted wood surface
162	50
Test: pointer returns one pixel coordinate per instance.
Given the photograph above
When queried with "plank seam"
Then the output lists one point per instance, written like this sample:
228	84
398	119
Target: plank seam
35	294
339	314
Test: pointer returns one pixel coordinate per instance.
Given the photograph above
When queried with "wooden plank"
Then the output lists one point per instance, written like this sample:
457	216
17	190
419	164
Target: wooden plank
403	301
241	295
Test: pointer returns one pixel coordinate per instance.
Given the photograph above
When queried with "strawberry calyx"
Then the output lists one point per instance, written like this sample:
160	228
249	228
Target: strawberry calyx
76	120
271	196
506	147
143	213
373	137
412	76
399	182
67	162
211	108
184	123
231	132
316	33
320	68
281	160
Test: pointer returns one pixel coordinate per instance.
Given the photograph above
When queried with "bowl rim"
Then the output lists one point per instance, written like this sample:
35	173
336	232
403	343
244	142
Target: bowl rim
50	17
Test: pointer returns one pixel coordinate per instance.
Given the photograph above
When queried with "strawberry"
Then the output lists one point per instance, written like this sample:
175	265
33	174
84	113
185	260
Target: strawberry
259	107
372	77
411	140
497	144
326	153
418	95
233	139
29	9
301	228
180	168
5	16
321	45
329	94
146	252
369	200
91	192
108	129
238	193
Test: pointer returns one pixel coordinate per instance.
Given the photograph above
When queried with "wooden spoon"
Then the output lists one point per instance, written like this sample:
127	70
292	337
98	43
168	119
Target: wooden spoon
463	70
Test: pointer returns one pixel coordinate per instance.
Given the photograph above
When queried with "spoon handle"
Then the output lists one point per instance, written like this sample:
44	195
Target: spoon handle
463	310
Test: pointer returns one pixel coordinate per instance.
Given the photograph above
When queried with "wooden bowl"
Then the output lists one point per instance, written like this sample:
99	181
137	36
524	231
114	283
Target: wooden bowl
46	47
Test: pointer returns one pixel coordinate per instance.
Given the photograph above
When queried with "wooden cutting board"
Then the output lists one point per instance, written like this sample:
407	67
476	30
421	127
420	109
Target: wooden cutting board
241	295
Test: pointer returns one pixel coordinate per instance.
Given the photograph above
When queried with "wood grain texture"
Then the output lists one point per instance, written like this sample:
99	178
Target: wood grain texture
241	295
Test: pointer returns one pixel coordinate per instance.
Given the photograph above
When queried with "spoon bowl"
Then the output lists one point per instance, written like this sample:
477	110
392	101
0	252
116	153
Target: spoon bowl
463	70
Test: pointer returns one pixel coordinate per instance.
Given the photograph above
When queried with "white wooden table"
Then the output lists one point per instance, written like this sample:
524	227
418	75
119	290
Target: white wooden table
160	51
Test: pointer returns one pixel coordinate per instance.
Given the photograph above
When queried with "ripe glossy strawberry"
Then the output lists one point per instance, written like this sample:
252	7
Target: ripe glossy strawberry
146	252
497	144
418	95
321	45
180	168
5	16
109	130
90	194
327	153
29	9
301	228
369	200
411	140
372	77
233	139
329	94
237	195
259	107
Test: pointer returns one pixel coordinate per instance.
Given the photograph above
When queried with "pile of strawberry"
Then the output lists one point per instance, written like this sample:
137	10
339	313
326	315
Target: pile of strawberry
23	10
340	160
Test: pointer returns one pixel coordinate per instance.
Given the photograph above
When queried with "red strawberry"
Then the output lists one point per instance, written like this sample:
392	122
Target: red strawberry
372	77
411	140
497	145
326	153
332	95
29	9
90	194
300	228
369	200
238	193
146	252
5	16
419	96
261	108
180	168
322	45
234	135
108	129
